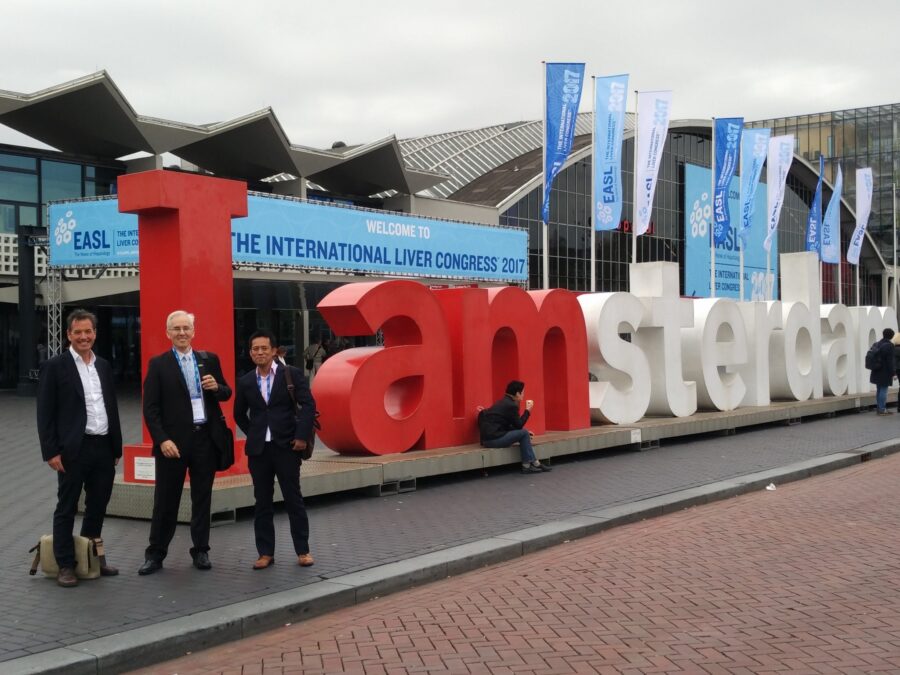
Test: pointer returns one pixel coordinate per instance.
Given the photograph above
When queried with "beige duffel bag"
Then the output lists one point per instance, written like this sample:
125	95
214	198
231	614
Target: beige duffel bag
87	557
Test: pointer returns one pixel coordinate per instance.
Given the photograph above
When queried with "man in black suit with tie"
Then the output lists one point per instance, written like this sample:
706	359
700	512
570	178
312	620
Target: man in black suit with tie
276	433
81	439
182	391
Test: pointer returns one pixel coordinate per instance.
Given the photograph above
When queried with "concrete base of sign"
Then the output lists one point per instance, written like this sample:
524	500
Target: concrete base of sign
328	473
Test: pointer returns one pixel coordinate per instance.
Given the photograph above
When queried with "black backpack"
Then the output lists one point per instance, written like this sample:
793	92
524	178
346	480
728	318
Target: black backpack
873	357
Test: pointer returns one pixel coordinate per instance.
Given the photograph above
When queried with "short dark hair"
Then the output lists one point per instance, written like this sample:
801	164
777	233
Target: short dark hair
81	315
264	333
515	387
887	333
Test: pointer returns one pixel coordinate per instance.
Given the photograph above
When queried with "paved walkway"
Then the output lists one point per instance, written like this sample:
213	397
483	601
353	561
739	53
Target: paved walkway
350	533
803	579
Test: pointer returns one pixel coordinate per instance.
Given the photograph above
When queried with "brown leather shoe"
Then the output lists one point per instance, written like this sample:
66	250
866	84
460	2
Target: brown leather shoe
263	562
108	571
66	577
305	560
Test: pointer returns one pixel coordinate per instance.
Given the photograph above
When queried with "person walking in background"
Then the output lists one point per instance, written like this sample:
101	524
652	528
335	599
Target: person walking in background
501	426
181	404
276	429
313	356
882	369
81	439
895	341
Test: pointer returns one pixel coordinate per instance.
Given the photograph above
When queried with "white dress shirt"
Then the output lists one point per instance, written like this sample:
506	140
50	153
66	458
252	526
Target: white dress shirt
97	421
265	389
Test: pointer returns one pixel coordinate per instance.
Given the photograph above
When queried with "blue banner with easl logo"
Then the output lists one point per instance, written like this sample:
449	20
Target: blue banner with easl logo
754	148
728	140
609	126
303	234
698	216
563	96
831	223
814	220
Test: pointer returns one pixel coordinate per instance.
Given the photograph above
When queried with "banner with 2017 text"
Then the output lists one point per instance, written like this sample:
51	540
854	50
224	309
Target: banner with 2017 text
564	82
609	127
654	109
294	233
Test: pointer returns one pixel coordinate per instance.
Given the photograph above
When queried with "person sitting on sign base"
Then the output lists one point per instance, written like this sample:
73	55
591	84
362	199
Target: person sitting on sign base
501	426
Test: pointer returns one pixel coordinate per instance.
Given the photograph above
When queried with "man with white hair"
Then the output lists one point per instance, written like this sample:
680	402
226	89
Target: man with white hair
182	392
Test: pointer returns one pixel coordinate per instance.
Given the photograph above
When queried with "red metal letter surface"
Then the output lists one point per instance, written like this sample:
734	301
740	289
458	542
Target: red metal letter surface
184	225
540	338
393	398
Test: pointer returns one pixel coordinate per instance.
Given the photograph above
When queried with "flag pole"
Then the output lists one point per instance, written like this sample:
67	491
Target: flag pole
740	239
545	230
593	218
712	201
894	206
634	204
857	284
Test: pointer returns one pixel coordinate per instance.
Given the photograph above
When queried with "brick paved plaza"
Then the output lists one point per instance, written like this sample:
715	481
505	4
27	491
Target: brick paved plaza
350	532
803	579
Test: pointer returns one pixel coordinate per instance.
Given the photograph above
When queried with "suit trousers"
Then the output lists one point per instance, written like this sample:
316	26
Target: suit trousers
199	461
285	464
94	470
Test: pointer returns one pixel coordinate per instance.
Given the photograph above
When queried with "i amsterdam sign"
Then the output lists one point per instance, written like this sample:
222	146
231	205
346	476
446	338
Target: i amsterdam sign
447	351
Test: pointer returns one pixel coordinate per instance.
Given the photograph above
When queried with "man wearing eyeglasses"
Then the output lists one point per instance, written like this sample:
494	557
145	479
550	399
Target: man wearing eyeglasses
182	392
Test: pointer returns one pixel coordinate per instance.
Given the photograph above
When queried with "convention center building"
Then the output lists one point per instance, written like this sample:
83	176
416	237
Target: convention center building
483	178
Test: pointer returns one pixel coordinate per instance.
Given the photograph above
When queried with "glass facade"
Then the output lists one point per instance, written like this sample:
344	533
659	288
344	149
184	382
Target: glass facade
569	226
28	180
855	139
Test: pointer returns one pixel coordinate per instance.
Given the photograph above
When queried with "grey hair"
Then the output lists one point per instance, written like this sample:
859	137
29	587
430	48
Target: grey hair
179	312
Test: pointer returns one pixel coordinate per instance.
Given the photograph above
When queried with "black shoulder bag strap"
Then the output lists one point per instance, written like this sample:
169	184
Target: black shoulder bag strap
311	441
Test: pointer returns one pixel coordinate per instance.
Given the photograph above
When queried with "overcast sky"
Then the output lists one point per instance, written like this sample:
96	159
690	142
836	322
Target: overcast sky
357	71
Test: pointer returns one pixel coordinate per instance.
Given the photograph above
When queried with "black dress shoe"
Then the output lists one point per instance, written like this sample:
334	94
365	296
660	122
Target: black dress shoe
149	567
201	561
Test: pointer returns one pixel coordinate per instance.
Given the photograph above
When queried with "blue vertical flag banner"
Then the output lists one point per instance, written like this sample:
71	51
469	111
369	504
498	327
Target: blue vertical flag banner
831	223
728	144
754	148
698	210
814	221
863	211
563	96
654	109
781	154
609	126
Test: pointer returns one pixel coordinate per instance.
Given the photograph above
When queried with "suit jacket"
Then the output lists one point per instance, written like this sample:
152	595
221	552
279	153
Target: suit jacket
254	416
61	411
167	401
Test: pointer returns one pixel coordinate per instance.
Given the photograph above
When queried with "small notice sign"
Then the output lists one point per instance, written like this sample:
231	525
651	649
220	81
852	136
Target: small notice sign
144	468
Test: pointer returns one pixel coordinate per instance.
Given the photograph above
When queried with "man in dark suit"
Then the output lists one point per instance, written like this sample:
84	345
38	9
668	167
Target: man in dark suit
182	391
276	433
81	439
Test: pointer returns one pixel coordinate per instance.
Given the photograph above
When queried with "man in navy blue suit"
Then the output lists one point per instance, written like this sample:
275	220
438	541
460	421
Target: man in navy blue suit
276	431
81	439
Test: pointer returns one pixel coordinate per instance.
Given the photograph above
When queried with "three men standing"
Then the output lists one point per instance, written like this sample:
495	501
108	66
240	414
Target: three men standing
81	439
275	409
182	392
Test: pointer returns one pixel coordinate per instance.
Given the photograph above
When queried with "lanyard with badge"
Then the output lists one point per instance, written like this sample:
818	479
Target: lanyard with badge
196	393
269	378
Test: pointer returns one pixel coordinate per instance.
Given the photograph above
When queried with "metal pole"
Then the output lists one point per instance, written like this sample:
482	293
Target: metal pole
894	205
857	285
545	230
634	206
593	219
712	202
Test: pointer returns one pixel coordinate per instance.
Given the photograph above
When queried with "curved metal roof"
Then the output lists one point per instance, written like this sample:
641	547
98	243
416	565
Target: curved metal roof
91	116
469	155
